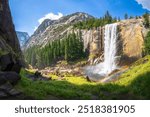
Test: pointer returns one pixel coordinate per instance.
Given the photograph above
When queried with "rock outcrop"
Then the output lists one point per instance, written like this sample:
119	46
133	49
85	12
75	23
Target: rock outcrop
51	30
93	40
130	41
23	37
131	35
10	52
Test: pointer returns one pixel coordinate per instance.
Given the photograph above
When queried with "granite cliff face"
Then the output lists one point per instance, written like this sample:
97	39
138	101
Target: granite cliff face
6	26
23	37
93	40
10	53
51	30
131	35
130	41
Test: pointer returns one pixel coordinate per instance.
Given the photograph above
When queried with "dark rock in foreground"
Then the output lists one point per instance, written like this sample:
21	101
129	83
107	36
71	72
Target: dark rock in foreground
11	59
10	77
7	81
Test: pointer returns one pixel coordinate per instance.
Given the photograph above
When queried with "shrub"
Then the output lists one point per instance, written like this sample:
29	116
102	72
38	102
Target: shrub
146	20
147	43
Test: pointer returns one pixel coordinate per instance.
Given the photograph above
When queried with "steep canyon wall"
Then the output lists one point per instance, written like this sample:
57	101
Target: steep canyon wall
10	52
130	41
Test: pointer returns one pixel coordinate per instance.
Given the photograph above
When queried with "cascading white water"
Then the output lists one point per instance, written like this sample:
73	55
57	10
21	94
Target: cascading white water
110	49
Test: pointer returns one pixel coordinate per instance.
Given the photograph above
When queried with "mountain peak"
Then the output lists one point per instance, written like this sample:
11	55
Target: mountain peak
50	30
75	17
68	19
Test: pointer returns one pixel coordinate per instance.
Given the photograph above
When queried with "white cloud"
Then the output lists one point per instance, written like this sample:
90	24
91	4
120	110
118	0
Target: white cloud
144	3
51	16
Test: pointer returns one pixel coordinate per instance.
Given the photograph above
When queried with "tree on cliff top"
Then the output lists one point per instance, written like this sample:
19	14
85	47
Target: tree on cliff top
126	16
146	20
108	17
147	43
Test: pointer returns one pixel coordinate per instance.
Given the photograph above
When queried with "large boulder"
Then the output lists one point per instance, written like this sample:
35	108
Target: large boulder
7	81
8	92
2	79
11	77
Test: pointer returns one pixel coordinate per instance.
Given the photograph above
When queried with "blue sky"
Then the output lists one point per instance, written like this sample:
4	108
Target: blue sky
27	13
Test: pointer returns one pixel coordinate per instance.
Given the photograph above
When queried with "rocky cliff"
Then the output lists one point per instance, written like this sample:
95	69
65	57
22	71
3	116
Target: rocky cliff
93	40
23	37
131	34
51	30
10	53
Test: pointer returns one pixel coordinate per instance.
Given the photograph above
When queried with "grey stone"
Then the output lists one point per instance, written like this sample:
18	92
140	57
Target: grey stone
14	92
6	87
3	95
11	77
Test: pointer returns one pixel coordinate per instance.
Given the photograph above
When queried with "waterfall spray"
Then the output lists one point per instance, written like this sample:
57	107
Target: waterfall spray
110	50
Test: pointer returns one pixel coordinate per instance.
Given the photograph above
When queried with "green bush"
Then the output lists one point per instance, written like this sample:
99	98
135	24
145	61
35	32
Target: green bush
146	20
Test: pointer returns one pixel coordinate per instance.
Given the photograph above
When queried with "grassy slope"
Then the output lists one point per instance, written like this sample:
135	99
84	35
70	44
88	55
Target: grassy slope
134	84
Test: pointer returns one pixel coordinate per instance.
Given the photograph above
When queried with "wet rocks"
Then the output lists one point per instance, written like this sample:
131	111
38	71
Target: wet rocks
96	59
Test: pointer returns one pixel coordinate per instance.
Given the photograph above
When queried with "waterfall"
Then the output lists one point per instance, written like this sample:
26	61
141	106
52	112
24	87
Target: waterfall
110	50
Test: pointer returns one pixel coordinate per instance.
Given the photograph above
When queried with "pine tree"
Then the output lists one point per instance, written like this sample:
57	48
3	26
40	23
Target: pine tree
108	17
66	49
146	20
70	48
147	43
131	17
33	59
126	16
